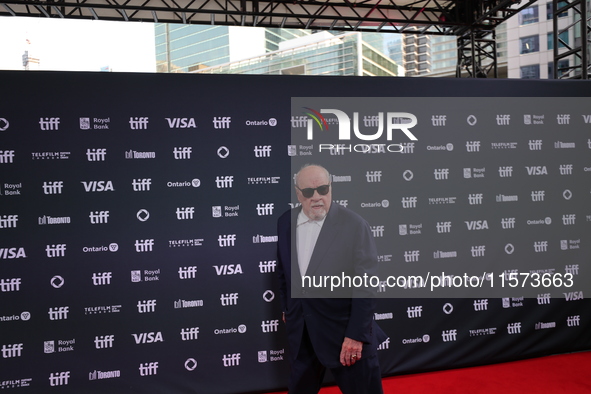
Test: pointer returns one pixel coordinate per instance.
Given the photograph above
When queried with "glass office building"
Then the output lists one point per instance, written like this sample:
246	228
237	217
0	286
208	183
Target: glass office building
322	53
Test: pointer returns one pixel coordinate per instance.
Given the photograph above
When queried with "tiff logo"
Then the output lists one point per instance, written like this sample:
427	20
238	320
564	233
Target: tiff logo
373	176
566	169
266	267
535	144
144	245
231	360
299	121
8	221
262	151
503	120
569	219
13	284
6	156
572	269
187	272
141	185
540	246
449	335
414	311
438	120
49	123
514	328
409	202
96	154
411	256
544	299
138	123
58	313
185	213
384	345
371	121
537	195
99	217
147	369
14	350
573	321
475	199
478	251
441	173
473	146
563	119
220	122
265	209
54	187
229	299
269	325
443	227
104	341
102	278
226	240
481	305
58	250
222	182
147	306
408	147
377	231
506	172
507	223
59	378
189	334
182	153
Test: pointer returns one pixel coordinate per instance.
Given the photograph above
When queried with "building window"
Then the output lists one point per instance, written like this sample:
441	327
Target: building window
549	10
562	68
530	72
529	44
563	36
529	15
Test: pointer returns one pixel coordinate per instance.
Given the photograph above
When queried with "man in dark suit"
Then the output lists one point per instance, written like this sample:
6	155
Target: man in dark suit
325	239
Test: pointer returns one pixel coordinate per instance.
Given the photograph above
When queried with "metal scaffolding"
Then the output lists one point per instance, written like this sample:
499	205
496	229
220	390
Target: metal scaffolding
472	21
573	61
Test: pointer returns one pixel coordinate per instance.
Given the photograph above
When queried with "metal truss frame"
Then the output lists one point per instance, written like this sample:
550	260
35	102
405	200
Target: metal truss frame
577	55
470	20
448	17
477	55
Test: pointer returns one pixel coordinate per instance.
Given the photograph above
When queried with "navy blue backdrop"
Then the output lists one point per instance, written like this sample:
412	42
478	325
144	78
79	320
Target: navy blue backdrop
138	215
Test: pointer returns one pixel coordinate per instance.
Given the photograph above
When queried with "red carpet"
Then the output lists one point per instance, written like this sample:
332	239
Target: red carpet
565	373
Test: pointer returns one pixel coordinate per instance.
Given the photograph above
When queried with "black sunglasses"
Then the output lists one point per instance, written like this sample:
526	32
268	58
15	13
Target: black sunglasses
309	192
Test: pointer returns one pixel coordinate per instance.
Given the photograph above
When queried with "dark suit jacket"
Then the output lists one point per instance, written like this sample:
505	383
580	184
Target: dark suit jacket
345	245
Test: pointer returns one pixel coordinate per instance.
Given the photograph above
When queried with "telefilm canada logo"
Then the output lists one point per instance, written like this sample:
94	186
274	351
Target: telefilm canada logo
391	121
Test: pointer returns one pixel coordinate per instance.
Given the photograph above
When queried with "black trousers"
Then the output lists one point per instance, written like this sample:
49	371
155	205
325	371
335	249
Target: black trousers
307	373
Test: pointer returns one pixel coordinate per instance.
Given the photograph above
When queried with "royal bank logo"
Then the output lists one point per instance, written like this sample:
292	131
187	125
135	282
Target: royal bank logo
138	123
474	173
95	123
533	119
304	150
49	123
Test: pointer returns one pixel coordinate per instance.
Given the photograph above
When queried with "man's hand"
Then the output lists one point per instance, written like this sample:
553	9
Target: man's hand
350	351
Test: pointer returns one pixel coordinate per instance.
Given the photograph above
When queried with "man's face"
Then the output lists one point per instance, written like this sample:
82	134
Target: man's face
317	206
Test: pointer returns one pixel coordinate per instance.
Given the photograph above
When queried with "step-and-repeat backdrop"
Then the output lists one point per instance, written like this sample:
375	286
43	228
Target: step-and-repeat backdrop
138	222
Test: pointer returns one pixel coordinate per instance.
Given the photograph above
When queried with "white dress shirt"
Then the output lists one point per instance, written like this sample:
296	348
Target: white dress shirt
307	232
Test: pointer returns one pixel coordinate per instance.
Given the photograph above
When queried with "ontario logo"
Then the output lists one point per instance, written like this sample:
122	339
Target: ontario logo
390	122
